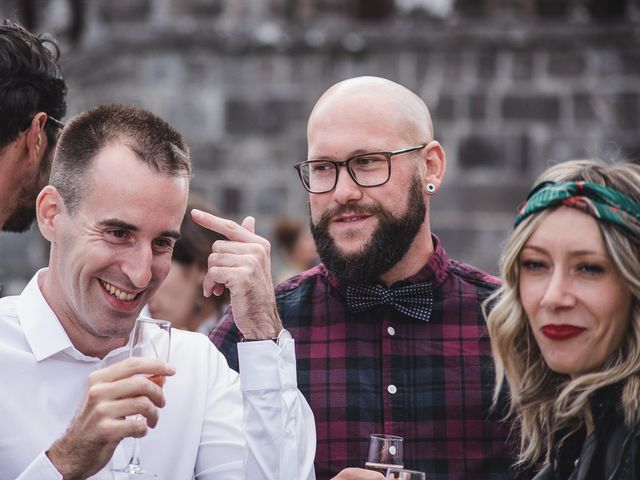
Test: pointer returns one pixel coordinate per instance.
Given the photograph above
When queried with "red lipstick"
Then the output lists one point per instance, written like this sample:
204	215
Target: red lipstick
561	332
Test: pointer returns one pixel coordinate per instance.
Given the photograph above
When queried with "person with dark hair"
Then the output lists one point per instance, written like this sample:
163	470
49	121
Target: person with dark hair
565	324
179	298
296	243
32	105
72	398
390	336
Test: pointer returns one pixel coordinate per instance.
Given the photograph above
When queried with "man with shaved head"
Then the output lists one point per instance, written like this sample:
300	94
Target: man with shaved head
390	335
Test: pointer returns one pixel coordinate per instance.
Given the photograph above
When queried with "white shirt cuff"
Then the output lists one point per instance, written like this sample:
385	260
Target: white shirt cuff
40	469
266	366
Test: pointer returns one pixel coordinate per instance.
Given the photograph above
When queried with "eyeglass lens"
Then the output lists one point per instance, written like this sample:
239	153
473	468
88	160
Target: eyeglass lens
368	171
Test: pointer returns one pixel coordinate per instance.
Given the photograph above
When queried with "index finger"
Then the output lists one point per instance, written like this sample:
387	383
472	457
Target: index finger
228	228
132	366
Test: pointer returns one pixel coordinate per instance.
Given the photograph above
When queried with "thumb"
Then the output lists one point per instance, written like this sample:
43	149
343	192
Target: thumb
249	223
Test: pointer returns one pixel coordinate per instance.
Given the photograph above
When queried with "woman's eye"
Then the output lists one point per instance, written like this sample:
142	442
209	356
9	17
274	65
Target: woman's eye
532	265
591	268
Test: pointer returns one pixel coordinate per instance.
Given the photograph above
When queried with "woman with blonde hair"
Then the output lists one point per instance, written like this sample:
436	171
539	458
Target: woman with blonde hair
565	324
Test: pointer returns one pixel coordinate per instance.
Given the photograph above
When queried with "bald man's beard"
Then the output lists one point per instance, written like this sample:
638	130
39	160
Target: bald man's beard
24	213
388	244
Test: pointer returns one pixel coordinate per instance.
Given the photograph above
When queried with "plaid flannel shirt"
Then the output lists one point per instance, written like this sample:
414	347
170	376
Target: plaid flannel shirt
382	372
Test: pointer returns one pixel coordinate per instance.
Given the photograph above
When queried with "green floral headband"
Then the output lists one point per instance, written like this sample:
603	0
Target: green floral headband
603	203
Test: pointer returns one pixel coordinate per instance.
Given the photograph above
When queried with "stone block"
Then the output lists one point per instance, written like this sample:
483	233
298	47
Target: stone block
199	8
232	200
445	108
272	200
531	107
607	10
472	9
262	117
501	152
566	64
522	66
124	10
630	60
627	110
477	106
476	199
631	150
477	151
208	157
556	9
480	248
486	65
584	110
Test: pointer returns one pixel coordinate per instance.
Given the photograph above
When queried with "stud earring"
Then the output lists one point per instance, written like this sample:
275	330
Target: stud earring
431	188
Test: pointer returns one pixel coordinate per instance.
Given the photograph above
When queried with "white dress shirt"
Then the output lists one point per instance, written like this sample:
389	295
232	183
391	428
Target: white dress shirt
202	432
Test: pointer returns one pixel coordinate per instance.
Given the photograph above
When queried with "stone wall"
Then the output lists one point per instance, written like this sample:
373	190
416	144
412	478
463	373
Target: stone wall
511	90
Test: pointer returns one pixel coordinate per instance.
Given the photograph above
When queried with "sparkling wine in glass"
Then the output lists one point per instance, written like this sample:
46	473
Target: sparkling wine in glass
404	474
385	451
150	338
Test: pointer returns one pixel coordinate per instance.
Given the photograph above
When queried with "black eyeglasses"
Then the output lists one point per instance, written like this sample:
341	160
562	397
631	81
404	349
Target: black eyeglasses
367	170
56	123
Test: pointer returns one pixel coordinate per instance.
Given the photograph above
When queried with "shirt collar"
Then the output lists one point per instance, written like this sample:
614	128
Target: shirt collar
41	327
435	270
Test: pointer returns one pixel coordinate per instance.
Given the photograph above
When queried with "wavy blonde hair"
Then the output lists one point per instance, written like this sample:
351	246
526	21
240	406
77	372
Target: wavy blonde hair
544	402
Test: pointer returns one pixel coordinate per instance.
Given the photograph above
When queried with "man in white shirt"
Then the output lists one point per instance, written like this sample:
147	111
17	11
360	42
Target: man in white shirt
112	213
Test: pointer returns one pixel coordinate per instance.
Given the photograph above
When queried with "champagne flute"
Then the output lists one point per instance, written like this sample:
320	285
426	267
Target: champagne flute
385	451
150	338
404	474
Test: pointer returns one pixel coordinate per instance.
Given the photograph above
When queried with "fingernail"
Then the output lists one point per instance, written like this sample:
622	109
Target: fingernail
170	370
195	213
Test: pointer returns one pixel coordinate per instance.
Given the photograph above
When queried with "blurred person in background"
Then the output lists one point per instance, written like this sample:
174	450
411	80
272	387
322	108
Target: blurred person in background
565	324
296	243
32	103
390	334
179	299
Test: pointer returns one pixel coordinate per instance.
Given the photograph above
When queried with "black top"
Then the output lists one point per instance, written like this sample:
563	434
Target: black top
611	452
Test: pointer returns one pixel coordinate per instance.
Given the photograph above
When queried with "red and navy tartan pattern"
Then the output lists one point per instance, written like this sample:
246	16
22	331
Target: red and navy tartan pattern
442	370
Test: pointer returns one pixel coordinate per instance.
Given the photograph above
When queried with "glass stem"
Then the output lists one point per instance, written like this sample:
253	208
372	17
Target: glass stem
135	455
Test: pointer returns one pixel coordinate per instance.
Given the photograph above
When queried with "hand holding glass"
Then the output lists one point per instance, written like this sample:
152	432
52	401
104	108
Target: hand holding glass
385	451
151	339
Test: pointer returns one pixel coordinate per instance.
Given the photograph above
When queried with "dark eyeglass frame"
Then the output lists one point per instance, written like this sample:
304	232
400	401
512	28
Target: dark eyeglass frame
347	163
56	123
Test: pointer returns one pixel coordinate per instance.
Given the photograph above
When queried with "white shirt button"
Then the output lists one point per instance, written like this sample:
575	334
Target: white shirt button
392	389
391	331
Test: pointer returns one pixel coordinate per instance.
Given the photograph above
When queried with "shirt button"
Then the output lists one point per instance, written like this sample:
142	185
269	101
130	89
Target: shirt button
392	389
391	331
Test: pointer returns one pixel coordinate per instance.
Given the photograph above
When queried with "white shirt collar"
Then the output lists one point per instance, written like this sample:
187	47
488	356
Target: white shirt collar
42	328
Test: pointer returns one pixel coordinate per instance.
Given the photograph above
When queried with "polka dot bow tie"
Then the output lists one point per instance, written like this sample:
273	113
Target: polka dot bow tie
412	300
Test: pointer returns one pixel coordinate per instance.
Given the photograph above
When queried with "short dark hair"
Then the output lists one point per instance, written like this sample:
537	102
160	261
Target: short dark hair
30	81
194	246
148	136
